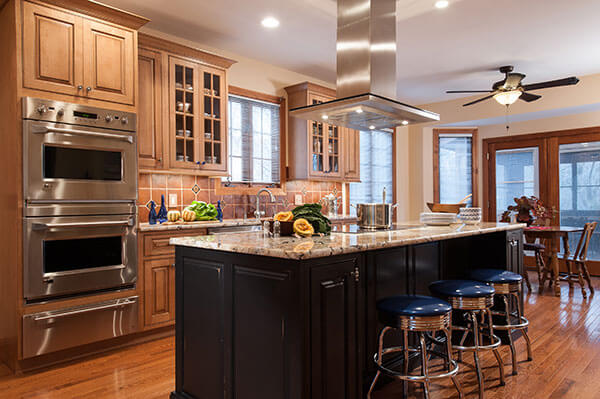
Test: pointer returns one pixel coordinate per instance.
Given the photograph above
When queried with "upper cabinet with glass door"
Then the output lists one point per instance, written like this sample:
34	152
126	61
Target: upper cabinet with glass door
317	150
193	137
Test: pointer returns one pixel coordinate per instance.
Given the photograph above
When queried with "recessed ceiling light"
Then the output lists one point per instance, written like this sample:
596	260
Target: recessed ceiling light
325	117
442	4
405	123
372	127
270	22
359	111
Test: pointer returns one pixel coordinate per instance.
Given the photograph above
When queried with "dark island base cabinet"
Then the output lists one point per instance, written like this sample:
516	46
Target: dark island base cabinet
252	327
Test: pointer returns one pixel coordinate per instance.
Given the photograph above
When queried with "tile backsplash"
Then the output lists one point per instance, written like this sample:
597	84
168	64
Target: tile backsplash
190	188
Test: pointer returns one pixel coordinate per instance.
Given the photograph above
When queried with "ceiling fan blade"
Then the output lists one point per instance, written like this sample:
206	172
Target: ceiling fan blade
479	100
529	97
513	80
469	91
552	83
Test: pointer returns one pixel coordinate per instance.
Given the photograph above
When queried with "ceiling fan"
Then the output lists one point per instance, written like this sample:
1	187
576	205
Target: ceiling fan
509	90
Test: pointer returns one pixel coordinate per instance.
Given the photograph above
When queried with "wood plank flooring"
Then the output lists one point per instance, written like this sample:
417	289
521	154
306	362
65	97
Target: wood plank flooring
565	334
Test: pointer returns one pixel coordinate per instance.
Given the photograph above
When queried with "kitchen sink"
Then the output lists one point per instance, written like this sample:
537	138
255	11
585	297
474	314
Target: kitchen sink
233	229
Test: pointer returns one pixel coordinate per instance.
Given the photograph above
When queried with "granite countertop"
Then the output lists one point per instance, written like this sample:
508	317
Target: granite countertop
337	243
215	224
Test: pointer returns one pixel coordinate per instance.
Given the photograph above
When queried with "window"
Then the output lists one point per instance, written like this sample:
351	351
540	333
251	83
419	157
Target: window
376	169
253	140
517	175
454	176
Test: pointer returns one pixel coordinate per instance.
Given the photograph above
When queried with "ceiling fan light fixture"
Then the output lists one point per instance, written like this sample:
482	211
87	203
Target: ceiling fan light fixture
508	97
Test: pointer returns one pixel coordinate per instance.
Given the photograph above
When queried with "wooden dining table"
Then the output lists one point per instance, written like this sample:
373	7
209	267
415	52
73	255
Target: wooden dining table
553	236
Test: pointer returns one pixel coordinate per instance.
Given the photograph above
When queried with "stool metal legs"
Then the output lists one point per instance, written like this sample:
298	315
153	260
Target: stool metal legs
450	369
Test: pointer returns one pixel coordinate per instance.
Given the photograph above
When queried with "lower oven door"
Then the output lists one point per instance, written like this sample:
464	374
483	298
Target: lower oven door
66	328
68	255
74	163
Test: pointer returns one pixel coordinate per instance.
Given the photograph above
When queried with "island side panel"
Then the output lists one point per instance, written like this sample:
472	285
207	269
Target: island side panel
257	348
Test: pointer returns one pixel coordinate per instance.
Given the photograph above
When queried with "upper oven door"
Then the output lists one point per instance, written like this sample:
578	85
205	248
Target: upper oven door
66	255
77	163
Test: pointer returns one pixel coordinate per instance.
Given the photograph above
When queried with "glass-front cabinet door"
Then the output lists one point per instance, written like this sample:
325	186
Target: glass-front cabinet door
197	111
324	144
214	107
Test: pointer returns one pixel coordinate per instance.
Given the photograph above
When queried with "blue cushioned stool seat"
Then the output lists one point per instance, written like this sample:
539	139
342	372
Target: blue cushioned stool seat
413	305
461	288
496	276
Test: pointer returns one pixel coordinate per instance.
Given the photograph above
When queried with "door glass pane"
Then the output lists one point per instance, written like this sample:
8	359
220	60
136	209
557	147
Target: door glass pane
82	164
579	177
74	254
455	173
517	175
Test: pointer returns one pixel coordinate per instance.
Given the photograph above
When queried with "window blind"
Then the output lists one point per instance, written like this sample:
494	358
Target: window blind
376	169
254	145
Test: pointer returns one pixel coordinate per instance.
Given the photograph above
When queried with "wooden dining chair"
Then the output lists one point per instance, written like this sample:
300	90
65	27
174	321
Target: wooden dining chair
579	261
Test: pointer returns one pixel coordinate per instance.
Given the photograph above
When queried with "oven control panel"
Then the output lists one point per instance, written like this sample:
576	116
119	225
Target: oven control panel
75	114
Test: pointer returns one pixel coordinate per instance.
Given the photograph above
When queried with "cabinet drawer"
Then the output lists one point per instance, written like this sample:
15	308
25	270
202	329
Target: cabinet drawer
52	331
158	244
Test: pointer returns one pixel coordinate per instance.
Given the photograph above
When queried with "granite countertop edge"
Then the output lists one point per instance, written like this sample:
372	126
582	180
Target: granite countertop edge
291	247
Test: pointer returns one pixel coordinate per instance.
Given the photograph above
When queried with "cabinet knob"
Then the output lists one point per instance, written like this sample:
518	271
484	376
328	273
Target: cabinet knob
356	274
88	89
79	87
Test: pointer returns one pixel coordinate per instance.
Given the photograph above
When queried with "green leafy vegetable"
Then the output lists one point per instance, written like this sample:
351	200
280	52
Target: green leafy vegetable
203	210
312	213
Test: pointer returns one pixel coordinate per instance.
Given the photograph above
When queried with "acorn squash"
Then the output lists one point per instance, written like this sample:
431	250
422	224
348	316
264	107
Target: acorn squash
303	228
284	216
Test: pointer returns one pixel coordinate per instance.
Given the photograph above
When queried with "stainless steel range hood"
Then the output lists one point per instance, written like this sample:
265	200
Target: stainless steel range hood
366	72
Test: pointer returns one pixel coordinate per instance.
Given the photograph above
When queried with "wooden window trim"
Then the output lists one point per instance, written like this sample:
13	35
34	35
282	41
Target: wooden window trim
252	188
474	160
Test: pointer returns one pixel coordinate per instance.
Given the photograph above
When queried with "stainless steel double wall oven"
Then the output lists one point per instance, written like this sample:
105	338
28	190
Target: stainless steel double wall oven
80	191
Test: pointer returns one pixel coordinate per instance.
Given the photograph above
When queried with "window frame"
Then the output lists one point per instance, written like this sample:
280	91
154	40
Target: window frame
474	161
231	188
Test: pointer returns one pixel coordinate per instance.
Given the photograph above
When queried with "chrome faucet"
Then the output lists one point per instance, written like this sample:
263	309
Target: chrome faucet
257	212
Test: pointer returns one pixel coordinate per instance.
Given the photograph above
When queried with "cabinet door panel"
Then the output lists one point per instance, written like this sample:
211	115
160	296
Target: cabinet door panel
351	155
335	344
214	116
150	109
109	54
52	50
159	291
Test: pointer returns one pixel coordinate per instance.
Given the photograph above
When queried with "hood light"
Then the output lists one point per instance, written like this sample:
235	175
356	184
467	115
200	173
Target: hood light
359	111
404	123
325	117
372	127
508	97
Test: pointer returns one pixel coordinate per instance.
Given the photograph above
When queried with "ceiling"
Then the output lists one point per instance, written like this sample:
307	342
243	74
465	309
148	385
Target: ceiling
456	48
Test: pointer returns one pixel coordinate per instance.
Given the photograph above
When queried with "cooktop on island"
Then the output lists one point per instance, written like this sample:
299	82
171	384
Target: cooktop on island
356	229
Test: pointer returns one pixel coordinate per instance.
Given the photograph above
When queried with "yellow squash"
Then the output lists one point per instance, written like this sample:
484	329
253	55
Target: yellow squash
188	216
284	216
173	216
303	228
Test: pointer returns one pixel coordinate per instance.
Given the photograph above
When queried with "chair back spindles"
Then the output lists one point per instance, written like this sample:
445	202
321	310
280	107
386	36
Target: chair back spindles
584	242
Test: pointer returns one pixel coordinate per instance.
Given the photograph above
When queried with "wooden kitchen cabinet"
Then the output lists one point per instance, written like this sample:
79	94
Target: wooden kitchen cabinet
157	263
335	297
67	53
150	128
351	157
193	89
319	151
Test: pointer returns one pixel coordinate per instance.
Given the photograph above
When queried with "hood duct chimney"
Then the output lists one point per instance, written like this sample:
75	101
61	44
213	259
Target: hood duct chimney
366	72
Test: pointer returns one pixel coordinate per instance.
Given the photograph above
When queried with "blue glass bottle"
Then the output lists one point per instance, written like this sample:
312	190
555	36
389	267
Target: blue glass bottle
153	216
219	212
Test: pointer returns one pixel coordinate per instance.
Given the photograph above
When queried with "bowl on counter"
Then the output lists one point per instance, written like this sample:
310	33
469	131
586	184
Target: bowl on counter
445	208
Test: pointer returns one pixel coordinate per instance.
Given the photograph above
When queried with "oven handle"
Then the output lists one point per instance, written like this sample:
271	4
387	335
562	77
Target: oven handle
45	129
79	311
45	226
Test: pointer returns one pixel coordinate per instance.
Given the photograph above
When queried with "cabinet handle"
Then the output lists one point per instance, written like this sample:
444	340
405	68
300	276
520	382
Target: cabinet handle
173	265
356	274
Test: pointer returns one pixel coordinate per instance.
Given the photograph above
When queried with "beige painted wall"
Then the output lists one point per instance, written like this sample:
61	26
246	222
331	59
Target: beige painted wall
420	173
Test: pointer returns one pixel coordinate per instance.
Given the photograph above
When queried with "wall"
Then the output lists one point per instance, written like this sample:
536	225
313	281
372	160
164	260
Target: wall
569	103
190	188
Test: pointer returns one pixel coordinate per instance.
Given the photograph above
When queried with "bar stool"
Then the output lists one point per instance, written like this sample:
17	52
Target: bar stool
475	300
507	285
414	314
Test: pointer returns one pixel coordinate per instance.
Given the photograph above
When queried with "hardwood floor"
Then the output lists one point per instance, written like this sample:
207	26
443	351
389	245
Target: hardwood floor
565	335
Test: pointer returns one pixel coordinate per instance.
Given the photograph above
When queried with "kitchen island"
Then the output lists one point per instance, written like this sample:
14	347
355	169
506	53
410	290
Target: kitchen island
260	317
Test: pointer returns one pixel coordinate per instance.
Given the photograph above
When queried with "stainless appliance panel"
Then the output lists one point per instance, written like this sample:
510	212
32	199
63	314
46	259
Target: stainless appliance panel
66	255
76	114
55	330
79	208
63	162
